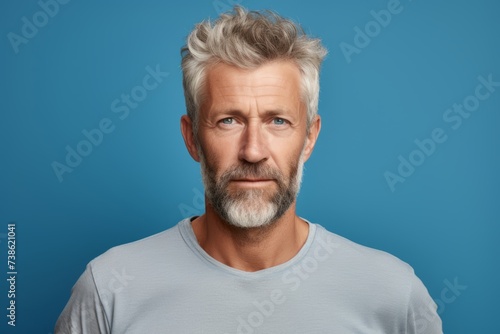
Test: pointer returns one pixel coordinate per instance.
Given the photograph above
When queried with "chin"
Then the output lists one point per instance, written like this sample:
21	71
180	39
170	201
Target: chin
258	215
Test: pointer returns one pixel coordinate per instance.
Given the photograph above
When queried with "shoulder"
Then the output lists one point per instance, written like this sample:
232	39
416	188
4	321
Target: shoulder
350	251
126	265
374	269
124	274
151	244
373	282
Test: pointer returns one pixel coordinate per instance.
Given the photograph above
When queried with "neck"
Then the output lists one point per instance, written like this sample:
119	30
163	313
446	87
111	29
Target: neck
251	249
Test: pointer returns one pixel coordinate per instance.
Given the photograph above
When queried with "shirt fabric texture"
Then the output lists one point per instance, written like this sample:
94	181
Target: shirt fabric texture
167	283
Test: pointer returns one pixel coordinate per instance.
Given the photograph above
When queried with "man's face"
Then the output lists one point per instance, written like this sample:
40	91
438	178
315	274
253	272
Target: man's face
252	141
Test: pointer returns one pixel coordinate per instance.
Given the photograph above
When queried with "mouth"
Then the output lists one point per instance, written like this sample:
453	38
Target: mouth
251	179
252	182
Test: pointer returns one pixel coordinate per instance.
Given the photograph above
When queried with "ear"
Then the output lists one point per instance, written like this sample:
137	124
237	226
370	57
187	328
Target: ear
188	135
314	129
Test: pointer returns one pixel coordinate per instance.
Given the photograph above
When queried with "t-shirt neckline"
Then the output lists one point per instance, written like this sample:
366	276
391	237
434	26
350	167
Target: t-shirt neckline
189	237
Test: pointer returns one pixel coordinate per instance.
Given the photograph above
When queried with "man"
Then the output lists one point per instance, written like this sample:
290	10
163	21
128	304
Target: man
249	264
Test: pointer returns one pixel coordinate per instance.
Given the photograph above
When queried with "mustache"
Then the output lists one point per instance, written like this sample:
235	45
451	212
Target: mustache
257	171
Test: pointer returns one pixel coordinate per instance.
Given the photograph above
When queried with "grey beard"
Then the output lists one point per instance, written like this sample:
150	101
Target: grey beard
249	208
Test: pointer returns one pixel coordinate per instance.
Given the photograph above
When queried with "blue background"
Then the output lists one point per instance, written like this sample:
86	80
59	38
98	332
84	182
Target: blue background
443	220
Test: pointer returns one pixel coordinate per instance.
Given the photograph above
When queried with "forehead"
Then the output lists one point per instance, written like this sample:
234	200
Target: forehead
274	82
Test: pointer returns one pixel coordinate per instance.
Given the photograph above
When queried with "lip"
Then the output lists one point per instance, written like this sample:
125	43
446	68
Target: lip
252	182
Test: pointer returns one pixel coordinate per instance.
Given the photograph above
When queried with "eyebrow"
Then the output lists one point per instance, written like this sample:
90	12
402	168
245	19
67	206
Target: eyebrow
267	113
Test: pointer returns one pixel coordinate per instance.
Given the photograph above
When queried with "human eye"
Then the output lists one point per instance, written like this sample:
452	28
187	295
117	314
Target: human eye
279	121
227	121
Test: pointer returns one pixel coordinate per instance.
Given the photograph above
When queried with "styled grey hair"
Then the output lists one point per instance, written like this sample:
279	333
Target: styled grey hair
248	39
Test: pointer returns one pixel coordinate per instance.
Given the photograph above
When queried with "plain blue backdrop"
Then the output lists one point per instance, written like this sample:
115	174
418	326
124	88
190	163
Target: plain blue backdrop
386	85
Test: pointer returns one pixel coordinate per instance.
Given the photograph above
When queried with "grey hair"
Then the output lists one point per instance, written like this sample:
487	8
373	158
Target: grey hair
248	39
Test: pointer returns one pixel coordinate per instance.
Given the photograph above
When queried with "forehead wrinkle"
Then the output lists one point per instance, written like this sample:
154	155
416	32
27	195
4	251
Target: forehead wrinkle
257	90
264	98
253	90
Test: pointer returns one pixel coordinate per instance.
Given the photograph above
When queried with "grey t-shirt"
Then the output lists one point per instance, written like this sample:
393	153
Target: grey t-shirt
167	283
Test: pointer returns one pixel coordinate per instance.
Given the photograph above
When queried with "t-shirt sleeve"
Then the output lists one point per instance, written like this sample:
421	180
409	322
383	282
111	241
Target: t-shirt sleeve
84	313
422	311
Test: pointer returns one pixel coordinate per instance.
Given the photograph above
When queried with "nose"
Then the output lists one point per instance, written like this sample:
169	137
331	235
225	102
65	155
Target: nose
254	146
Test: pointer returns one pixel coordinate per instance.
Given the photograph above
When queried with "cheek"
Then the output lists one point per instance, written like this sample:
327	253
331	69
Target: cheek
217	157
288	150
288	163
220	147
